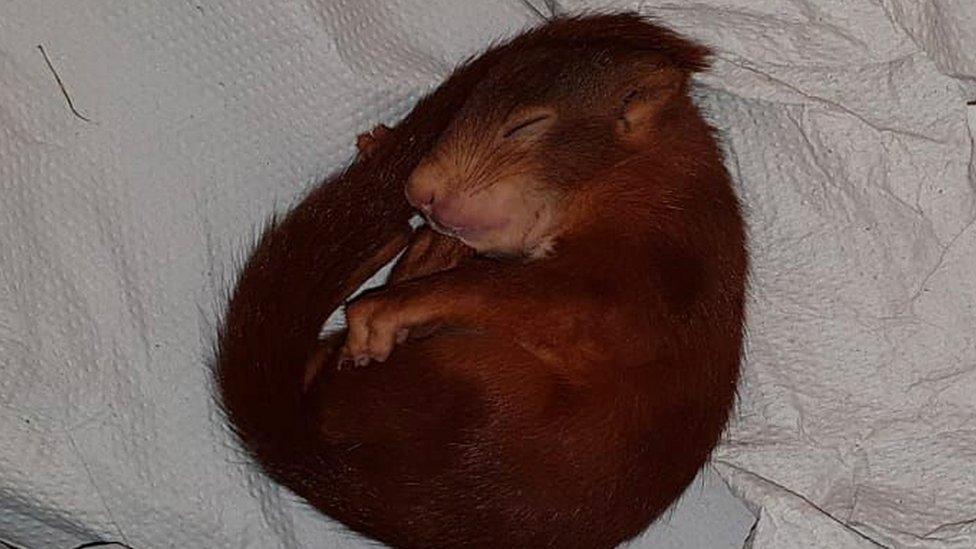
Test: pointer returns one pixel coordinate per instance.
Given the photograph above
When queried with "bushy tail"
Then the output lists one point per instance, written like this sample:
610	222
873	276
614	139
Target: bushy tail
303	268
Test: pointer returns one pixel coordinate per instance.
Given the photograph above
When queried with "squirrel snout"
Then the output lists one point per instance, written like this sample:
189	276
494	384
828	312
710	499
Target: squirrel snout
422	193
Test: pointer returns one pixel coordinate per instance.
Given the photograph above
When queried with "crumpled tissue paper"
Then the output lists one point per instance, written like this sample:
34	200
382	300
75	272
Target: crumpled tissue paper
123	223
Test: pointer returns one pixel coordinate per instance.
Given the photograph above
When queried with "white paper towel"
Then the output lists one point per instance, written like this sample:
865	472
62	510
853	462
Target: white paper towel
846	132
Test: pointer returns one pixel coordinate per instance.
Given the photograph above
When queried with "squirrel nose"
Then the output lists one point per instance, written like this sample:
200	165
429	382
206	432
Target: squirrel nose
421	196
426	204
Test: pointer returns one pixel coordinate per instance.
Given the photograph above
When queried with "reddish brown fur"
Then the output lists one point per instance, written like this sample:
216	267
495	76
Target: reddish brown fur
560	402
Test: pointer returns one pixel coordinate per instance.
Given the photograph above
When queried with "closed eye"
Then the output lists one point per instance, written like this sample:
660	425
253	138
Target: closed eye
525	124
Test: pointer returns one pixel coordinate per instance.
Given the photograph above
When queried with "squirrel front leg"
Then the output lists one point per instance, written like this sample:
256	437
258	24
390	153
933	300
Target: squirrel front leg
384	254
429	252
493	295
378	320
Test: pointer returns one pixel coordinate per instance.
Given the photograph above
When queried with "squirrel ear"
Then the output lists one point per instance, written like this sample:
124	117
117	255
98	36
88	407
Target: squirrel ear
640	104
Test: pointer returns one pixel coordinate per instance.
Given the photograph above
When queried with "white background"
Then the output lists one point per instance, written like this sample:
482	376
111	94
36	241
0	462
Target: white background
845	126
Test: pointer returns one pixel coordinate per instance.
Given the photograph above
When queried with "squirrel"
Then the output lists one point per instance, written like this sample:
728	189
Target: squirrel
555	355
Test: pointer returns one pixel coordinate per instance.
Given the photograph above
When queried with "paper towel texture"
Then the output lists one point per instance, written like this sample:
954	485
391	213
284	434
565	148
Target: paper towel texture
845	124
